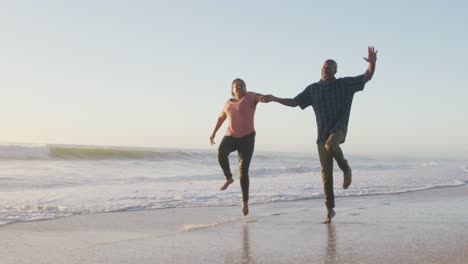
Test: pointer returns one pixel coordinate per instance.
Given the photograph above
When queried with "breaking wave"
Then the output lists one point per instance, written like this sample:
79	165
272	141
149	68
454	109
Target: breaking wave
55	152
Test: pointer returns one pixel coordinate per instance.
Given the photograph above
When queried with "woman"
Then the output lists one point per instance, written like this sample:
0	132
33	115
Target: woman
240	136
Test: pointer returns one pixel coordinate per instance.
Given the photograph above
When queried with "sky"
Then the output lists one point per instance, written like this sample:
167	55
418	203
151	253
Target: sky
157	73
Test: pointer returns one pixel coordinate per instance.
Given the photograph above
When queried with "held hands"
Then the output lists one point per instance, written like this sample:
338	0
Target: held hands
371	55
267	98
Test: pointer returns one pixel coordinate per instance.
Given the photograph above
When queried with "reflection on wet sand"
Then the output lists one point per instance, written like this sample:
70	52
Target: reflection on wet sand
246	256
330	256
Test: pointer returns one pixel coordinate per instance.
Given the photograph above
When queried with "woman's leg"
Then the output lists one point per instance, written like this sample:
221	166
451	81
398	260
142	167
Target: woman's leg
245	153
226	146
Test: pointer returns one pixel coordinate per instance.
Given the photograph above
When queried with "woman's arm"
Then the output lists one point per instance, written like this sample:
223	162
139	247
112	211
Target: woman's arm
219	122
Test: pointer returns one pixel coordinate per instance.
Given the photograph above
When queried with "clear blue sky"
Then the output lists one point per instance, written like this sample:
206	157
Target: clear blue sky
157	73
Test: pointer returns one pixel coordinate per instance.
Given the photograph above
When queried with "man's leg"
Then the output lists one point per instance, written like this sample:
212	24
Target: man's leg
245	152
225	148
326	161
333	147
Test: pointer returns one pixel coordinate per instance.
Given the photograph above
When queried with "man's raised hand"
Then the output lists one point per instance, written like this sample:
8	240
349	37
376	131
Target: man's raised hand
371	55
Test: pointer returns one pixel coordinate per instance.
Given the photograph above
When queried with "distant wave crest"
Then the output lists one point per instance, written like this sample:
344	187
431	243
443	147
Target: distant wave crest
45	152
111	153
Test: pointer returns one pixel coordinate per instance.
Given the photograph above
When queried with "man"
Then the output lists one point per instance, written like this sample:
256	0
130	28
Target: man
331	100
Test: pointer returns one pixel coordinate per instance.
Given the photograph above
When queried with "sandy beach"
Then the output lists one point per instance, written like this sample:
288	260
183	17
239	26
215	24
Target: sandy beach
418	227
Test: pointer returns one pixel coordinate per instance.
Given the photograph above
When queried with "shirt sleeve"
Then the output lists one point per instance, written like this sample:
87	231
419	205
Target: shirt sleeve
304	99
354	84
252	98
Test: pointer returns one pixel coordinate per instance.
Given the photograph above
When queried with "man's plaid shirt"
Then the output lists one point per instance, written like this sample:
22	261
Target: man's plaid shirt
332	104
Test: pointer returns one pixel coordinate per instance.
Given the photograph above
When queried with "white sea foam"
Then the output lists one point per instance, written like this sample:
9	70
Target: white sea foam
430	164
191	227
35	186
23	151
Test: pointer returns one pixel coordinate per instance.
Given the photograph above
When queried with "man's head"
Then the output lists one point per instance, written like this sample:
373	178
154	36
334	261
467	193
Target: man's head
329	69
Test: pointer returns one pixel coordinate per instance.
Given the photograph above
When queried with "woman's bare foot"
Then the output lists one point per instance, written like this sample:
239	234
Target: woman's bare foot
226	184
245	208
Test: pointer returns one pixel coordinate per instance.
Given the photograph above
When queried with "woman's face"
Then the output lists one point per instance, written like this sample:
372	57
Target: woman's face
238	89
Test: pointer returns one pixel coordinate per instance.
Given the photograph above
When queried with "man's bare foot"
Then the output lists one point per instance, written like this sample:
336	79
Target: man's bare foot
347	175
331	213
226	184
245	208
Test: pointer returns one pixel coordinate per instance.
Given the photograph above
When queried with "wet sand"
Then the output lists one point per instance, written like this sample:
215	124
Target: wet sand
419	227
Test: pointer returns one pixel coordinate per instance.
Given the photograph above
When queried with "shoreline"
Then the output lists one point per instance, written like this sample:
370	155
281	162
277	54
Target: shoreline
338	198
429	226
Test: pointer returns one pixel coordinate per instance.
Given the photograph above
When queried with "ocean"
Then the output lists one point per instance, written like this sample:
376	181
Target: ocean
49	181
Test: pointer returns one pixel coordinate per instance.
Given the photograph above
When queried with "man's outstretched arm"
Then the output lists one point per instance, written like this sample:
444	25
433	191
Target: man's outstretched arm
284	101
371	59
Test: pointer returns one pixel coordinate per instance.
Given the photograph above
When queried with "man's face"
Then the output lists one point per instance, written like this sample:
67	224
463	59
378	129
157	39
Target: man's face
328	69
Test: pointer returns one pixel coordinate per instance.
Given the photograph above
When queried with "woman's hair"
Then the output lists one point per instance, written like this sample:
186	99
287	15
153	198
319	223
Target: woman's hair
238	80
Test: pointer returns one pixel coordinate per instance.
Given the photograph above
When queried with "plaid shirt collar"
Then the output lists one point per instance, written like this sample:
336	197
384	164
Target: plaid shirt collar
327	82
